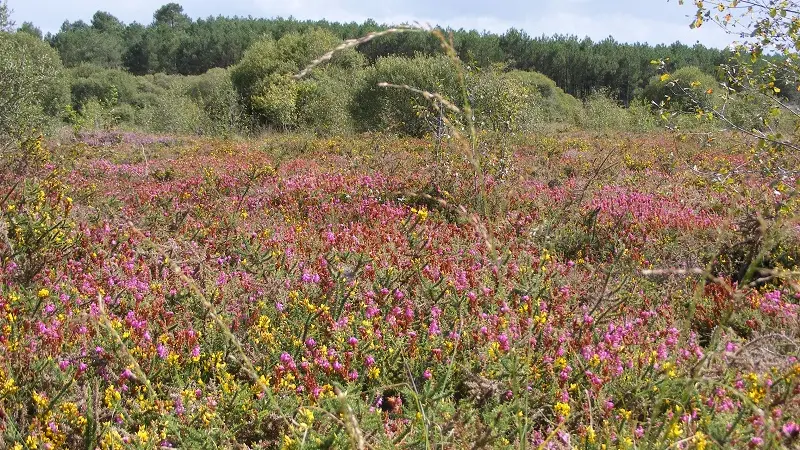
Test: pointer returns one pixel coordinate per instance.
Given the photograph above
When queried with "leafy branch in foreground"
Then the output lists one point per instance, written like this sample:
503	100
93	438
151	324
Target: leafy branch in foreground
765	63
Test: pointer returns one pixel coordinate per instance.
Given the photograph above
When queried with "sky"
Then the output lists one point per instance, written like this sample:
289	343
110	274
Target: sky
651	21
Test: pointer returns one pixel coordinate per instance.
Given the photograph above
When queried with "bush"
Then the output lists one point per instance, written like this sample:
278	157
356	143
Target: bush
33	87
558	106
501	102
752	110
261	78
379	108
213	92
174	113
323	101
685	90
603	112
93	83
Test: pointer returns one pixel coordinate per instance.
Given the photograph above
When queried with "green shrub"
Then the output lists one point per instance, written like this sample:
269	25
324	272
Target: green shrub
501	102
174	113
557	106
261	78
685	90
753	110
33	87
213	92
603	112
89	82
399	110
323	100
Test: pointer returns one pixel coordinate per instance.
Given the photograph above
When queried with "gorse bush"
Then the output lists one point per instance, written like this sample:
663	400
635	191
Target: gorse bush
204	104
175	113
94	83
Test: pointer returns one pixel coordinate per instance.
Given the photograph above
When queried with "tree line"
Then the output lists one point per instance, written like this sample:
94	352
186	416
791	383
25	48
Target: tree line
174	43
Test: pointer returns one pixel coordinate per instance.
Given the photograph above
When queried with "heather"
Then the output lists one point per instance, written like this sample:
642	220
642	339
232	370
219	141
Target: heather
379	248
626	291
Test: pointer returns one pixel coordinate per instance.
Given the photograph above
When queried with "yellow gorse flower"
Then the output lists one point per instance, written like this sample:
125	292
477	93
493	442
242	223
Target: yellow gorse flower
562	409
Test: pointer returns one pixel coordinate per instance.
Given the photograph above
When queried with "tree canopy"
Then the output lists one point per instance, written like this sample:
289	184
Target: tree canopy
174	43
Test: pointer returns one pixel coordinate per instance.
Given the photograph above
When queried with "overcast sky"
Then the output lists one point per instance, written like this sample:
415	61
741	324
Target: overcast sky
652	21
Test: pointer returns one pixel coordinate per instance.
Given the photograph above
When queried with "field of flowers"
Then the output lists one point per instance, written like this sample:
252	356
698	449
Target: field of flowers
592	292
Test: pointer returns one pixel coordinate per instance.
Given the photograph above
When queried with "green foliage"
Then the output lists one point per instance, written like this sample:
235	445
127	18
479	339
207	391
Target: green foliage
30	28
603	112
263	78
275	102
398	110
204	104
101	43
324	99
558	106
213	92
174	43
174	113
6	24
93	83
33	88
763	65
501	102
688	89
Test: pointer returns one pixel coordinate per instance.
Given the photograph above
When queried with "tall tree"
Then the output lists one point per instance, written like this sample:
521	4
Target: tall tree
30	28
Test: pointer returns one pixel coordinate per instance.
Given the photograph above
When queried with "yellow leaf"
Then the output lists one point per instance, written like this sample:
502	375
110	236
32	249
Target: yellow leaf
665	77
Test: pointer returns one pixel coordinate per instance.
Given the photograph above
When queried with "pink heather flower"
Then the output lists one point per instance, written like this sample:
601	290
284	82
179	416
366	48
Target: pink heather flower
162	351
196	351
311	343
427	375
352	375
791	430
503	341
756	441
316	391
639	432
352	341
369	361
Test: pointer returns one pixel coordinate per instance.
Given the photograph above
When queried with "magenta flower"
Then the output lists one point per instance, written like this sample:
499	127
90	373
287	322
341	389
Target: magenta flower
791	430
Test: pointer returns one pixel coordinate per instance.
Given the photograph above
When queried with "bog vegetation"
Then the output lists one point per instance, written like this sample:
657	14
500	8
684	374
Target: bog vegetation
223	234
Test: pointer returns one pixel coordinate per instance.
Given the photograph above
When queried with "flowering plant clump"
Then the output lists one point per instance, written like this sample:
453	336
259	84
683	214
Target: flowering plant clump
297	292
